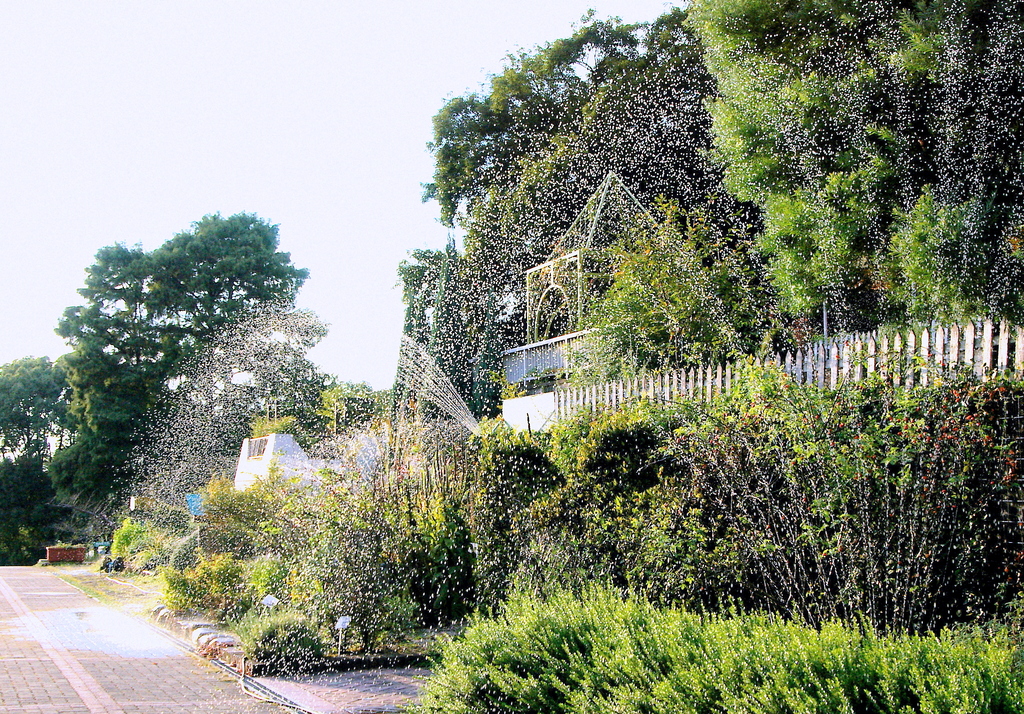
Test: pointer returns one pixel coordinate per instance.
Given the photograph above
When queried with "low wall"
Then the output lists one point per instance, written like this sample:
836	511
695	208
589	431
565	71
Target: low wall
536	411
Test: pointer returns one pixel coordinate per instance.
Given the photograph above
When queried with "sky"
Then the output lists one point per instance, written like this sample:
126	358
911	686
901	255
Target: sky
124	122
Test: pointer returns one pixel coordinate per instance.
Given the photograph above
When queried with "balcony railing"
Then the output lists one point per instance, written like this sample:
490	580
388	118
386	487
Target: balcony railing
540	359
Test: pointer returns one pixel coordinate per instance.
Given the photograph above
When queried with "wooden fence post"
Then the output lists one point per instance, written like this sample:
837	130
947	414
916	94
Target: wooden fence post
883	357
1003	361
908	359
954	342
1018	362
820	362
831	364
969	340
925	355
986	349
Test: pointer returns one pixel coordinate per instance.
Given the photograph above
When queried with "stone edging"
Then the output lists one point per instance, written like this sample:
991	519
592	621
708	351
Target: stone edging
212	643
204	637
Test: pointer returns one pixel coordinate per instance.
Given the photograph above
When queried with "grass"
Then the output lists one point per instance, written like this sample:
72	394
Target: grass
109	591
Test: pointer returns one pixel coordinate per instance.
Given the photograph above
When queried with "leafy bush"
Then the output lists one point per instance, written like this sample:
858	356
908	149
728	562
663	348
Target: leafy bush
185	554
609	461
216	585
615	452
283	640
267	576
130	538
692	291
391	555
440	562
241	522
601	654
351	559
162	517
513	471
871	499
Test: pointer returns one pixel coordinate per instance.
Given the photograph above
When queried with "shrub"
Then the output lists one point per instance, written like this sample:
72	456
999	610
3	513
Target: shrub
616	452
283	640
609	461
603	655
185	554
821	504
241	522
440	562
267	576
130	538
871	499
353	561
513	471
181	591
162	517
216	585
391	555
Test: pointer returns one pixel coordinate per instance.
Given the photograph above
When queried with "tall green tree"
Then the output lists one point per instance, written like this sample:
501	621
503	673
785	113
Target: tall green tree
350	405
33	415
883	142
145	314
480	140
28	518
439	297
33	407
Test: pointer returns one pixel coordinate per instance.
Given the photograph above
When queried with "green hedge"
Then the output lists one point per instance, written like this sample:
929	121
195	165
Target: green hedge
600	654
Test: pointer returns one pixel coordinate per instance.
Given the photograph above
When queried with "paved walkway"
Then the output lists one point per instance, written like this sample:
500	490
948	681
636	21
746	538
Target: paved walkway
61	652
366	692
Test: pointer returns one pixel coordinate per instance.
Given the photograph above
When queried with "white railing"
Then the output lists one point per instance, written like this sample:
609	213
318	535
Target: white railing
908	357
539	359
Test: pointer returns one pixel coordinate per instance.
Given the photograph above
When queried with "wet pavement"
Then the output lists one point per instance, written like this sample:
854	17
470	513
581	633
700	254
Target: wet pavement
365	692
63	653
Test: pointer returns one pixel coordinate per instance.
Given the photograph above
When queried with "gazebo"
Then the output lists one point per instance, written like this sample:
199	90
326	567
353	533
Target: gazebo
558	293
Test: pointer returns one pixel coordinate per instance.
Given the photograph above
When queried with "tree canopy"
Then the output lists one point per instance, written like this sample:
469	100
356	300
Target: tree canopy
145	313
883	142
33	407
33	415
687	292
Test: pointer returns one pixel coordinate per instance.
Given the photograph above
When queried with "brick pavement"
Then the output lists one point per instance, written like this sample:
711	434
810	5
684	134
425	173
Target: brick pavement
364	692
63	653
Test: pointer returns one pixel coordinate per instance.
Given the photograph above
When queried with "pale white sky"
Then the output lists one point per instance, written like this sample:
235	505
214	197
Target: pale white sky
127	121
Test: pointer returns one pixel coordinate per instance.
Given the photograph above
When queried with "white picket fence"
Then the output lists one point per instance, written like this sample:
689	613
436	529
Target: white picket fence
907	357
